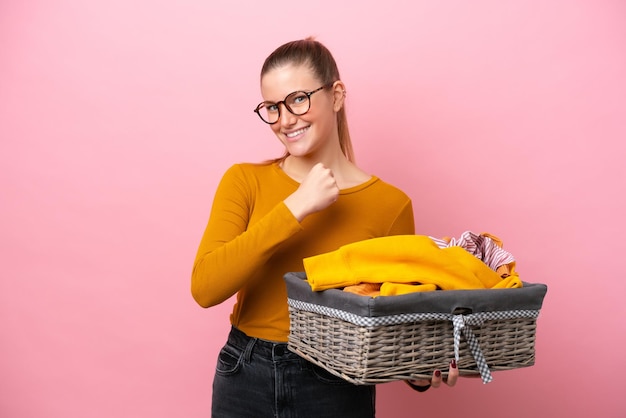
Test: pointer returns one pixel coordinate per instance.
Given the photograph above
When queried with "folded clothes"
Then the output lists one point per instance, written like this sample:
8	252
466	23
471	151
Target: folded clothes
393	289
364	289
408	260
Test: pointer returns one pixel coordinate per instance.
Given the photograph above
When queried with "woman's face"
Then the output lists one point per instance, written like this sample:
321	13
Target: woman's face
309	134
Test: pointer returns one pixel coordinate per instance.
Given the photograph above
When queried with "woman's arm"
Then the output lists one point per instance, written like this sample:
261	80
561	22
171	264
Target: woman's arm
231	250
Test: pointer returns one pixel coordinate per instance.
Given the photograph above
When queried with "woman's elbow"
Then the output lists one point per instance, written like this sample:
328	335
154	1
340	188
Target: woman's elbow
200	300
201	296
199	289
207	296
207	290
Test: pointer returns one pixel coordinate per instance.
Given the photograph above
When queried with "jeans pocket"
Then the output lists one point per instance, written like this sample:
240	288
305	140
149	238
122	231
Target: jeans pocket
229	360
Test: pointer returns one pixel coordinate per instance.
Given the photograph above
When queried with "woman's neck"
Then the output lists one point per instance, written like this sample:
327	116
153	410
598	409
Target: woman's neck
345	172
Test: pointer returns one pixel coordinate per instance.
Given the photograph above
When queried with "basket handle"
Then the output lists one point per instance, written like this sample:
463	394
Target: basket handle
462	311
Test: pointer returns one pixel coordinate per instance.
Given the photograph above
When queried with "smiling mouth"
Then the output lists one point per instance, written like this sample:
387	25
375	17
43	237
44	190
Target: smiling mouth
296	133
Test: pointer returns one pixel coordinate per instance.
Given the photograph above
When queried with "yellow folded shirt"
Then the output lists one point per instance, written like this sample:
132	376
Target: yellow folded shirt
404	259
510	282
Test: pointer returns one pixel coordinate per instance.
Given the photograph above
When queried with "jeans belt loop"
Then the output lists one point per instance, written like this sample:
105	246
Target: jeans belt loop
248	352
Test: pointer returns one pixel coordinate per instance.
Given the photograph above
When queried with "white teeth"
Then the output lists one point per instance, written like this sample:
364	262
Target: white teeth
296	133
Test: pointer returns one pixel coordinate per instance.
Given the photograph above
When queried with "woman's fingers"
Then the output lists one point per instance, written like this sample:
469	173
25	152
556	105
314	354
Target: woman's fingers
450	380
437	379
453	374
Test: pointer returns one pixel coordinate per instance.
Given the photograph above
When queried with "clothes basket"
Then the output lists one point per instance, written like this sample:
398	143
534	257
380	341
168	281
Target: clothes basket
367	340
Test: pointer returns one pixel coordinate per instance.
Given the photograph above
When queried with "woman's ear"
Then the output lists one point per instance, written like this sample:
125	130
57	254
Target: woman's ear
339	95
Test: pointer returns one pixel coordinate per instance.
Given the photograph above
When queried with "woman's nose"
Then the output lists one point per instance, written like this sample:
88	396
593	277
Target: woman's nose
286	117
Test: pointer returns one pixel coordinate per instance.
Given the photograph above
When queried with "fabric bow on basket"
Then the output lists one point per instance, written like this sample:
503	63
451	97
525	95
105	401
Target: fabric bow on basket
463	323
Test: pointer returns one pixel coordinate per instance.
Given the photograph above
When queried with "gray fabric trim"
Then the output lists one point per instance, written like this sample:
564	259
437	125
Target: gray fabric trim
530	297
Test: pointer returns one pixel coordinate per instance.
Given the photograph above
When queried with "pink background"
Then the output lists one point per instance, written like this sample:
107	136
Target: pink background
118	118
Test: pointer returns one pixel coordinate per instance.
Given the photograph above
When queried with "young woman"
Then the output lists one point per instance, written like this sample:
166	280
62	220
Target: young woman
267	217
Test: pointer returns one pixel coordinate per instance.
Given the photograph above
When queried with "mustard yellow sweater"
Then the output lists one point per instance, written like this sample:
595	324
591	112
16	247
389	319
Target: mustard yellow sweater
252	240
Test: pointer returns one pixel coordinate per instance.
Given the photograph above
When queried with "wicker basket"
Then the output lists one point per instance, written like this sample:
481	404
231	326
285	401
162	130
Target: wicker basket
376	340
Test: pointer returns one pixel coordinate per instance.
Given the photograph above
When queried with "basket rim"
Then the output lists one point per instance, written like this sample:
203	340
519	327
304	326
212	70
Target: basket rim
529	297
406	317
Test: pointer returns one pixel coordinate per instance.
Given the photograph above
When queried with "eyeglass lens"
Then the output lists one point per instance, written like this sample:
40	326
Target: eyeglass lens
297	103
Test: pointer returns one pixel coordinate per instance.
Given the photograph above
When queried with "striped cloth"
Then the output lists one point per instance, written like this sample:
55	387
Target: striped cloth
481	246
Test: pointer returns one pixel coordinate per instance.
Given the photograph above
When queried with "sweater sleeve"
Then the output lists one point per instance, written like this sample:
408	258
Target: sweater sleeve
231	248
405	222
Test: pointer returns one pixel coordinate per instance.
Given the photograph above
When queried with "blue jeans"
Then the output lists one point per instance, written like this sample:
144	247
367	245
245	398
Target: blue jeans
257	378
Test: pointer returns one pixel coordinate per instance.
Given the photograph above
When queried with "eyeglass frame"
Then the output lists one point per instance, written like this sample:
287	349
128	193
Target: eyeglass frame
277	104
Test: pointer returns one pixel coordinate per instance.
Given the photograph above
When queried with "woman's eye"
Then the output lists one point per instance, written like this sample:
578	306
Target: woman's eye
271	108
299	99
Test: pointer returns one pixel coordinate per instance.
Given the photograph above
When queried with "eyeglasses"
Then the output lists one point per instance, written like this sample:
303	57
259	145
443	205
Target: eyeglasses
298	103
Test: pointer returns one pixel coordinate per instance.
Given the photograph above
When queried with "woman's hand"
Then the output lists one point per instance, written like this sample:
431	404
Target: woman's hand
421	385
317	191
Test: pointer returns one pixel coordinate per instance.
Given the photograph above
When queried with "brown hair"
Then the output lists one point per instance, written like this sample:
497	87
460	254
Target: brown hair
313	54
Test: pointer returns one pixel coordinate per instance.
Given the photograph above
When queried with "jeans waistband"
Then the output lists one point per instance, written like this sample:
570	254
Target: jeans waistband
269	349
